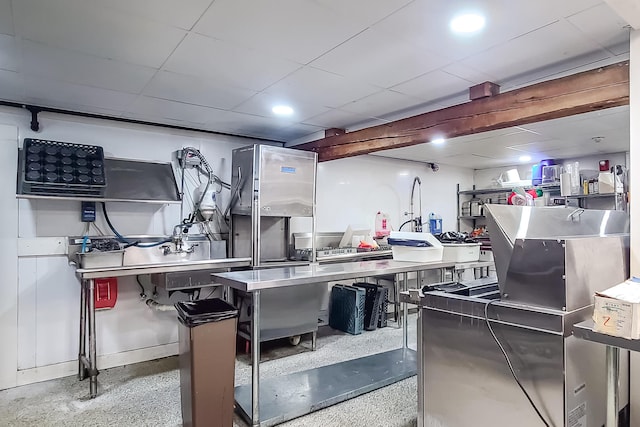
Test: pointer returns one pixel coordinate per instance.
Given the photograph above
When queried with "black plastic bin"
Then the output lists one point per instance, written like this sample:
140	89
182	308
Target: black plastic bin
207	345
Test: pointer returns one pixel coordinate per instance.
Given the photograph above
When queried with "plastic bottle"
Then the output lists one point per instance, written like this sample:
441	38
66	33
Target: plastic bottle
435	223
382	225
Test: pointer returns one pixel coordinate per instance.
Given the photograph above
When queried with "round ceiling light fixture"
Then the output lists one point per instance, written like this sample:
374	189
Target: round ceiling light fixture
282	110
525	158
467	23
437	141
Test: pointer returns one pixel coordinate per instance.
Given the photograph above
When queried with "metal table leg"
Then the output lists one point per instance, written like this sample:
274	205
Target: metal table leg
314	338
82	348
396	300
613	373
255	359
93	370
405	312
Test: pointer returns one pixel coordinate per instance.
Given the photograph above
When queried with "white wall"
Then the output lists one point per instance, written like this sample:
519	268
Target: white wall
39	308
39	298
353	190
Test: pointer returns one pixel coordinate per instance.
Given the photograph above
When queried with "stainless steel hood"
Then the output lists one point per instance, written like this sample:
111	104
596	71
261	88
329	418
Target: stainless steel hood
557	257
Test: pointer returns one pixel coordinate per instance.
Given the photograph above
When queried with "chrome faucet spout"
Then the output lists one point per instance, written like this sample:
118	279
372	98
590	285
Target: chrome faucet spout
416	222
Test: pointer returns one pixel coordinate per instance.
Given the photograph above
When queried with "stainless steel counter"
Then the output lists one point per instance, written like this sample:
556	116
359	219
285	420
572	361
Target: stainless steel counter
87	364
331	384
171	267
255	280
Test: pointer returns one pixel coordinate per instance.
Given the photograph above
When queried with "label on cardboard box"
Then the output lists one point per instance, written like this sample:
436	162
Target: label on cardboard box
615	312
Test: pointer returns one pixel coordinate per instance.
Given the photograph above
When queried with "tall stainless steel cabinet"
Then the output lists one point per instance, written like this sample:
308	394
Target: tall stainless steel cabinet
270	185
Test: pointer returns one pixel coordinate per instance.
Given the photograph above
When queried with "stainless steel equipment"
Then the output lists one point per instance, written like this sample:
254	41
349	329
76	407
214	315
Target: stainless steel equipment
269	186
549	262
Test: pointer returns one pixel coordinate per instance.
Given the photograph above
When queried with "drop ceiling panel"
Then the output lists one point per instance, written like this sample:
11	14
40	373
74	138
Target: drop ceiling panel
299	30
161	109
6	19
8	53
422	22
381	102
196	90
76	97
262	103
181	14
247	125
317	86
94	30
555	43
378	66
433	85
60	64
228	64
363	12
341	119
297	131
602	25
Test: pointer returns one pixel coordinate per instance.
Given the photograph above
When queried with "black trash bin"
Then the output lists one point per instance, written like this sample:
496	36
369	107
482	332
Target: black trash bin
207	336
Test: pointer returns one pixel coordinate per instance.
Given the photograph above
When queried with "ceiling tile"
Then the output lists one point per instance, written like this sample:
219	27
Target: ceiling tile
423	22
555	43
154	108
6	17
378	56
298	30
195	90
60	64
8	53
181	14
228	64
11	86
81	26
602	25
341	119
297	131
364	12
380	103
262	103
312	85
247	125
434	85
74	96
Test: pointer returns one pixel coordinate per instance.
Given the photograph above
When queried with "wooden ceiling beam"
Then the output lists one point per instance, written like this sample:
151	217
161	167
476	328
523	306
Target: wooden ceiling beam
591	90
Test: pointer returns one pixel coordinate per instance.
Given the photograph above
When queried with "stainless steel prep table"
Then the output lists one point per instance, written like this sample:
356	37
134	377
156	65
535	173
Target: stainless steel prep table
297	394
584	330
87	302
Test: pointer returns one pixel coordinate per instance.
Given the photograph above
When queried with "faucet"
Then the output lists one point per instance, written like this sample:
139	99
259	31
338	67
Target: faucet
416	223
177	238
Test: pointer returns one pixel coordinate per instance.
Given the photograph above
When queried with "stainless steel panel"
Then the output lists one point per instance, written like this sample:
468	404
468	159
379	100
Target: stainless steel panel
594	264
140	181
250	280
242	179
282	178
466	381
290	396
273	238
287	181
284	312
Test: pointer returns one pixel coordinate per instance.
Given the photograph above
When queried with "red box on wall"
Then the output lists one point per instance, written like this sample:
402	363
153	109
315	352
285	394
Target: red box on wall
106	292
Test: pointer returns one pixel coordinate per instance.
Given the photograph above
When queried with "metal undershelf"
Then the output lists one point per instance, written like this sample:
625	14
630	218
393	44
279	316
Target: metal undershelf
287	397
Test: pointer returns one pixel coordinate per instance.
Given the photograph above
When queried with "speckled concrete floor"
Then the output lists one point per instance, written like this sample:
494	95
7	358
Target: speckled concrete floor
147	394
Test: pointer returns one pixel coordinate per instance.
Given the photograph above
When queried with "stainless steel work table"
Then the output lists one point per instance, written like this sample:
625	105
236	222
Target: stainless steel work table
87	302
584	330
297	394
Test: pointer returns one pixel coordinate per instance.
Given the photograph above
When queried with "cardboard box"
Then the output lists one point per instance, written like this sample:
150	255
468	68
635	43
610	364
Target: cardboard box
616	310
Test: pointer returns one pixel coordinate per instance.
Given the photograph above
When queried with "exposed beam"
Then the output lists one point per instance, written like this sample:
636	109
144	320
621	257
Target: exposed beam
591	90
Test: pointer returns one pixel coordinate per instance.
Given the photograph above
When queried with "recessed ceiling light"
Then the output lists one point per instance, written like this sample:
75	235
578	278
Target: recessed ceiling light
282	110
437	141
467	23
525	158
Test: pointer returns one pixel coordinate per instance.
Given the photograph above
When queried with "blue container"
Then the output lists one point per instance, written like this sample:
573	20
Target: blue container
435	223
536	174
